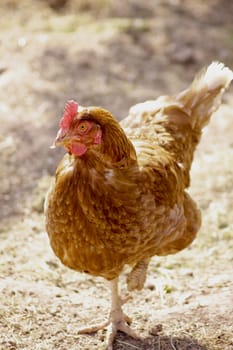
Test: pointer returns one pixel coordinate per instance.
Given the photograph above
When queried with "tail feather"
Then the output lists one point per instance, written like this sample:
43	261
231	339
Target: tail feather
204	95
214	76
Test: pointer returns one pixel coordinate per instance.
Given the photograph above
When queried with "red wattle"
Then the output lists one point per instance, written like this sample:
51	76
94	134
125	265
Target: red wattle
78	149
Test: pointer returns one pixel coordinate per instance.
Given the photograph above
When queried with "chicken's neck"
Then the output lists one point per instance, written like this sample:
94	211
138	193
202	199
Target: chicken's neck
110	171
113	161
116	147
115	150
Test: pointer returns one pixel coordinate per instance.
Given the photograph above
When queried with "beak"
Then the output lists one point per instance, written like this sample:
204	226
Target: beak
53	145
61	139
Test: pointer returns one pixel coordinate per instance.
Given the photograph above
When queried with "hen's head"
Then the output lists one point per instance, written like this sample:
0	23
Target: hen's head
79	130
95	128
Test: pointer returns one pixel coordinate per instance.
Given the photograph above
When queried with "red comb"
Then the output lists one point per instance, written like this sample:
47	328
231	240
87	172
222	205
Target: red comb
71	109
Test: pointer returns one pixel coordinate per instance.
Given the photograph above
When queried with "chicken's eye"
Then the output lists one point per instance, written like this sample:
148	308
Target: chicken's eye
83	127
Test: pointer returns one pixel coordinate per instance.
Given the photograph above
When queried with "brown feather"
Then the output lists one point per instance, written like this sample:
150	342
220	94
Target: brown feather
124	200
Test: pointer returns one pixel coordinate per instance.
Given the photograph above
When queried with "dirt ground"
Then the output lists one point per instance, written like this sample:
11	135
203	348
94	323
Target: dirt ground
113	54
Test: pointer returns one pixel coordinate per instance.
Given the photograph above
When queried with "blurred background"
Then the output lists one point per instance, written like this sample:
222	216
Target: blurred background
99	52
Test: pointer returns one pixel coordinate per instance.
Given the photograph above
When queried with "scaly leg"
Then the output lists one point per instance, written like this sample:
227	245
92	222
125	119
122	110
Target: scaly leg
117	319
137	277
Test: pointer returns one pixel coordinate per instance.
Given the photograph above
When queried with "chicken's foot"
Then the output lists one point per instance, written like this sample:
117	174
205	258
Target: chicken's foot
117	321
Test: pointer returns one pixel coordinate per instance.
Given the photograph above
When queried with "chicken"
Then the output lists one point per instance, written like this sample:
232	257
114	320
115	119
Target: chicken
119	196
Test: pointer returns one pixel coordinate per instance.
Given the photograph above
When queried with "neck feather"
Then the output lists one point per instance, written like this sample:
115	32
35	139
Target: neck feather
115	147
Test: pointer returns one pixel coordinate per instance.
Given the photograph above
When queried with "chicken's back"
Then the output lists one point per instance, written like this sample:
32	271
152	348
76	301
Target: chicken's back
175	123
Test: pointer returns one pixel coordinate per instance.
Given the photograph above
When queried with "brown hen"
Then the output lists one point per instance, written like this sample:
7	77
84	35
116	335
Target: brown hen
119	196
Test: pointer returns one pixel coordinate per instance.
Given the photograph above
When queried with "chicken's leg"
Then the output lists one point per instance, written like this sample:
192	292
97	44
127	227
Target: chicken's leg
137	277
117	320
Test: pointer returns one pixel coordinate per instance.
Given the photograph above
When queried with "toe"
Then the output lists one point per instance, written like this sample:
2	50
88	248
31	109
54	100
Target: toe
93	328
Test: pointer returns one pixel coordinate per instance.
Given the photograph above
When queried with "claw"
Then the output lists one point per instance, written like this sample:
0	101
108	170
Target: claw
119	326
